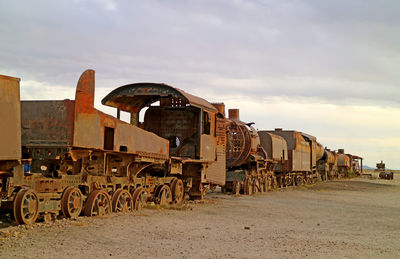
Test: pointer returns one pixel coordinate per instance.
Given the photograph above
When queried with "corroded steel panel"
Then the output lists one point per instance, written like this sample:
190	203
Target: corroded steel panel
216	171
330	157
208	148
10	134
89	132
139	95
181	126
47	123
94	129
274	145
138	140
299	150
343	160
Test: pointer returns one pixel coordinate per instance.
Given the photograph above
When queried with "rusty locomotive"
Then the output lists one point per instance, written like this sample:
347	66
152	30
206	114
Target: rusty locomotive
65	157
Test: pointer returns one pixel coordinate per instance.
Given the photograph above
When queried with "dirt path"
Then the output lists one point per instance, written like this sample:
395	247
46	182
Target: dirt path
354	218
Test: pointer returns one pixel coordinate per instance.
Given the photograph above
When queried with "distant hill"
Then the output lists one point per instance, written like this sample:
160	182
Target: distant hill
373	168
368	167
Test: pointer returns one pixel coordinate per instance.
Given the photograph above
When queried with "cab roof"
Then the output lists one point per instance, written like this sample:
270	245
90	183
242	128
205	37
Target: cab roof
136	96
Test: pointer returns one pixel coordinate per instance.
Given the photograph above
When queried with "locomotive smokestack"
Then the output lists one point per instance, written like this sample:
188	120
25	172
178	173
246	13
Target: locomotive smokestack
220	107
341	151
278	129
233	114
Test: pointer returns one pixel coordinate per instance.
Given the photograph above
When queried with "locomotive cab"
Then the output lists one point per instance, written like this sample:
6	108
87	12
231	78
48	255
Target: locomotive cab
189	123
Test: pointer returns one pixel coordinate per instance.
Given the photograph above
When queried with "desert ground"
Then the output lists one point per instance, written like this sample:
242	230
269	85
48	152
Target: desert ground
353	218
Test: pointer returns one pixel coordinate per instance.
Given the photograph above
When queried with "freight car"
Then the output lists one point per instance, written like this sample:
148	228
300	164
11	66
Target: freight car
247	165
297	162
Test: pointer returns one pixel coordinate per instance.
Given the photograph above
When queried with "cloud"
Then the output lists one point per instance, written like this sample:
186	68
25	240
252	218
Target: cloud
321	57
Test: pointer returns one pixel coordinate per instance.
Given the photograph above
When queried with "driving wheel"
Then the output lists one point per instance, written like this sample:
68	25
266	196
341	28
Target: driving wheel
71	202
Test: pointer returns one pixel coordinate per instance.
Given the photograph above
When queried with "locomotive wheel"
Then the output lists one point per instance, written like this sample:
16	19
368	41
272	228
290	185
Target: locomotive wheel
288	181
139	198
248	187
309	180
178	190
122	201
71	202
26	207
98	204
265	184
164	195
299	180
275	184
236	188
261	184
256	186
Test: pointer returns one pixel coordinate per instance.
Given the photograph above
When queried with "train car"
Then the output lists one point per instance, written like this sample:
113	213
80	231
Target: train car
344	164
10	137
195	132
327	165
276	148
66	157
357	164
349	164
85	160
248	168
303	151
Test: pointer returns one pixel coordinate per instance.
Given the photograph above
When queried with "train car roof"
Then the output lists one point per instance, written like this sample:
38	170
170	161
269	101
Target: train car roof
139	95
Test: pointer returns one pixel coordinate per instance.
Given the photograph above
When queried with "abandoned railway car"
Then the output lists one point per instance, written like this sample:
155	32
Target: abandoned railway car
82	160
248	168
298	161
66	158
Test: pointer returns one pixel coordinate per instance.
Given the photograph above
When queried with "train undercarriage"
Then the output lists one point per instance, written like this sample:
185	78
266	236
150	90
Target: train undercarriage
90	183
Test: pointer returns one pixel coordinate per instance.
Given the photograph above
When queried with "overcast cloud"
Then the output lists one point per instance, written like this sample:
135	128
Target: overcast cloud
329	68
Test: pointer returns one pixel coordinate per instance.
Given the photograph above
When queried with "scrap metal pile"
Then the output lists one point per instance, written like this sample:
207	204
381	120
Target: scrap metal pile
66	158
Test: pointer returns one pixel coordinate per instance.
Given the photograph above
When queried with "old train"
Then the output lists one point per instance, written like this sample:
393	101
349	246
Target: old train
66	158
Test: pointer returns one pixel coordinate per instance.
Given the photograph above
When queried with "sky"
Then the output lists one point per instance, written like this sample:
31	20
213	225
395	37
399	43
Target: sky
326	68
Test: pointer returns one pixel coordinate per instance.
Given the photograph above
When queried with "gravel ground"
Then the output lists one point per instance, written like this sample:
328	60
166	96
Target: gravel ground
357	218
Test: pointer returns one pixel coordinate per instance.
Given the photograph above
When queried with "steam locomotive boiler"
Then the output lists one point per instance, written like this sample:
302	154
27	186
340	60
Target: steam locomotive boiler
248	168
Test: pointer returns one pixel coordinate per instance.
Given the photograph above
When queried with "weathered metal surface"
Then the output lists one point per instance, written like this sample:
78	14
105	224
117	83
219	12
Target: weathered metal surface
299	151
97	130
10	137
47	123
186	121
78	158
386	175
233	114
216	171
179	125
380	166
274	145
139	95
343	160
238	148
220	107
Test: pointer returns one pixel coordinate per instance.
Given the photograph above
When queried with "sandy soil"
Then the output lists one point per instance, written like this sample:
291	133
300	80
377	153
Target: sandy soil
355	218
